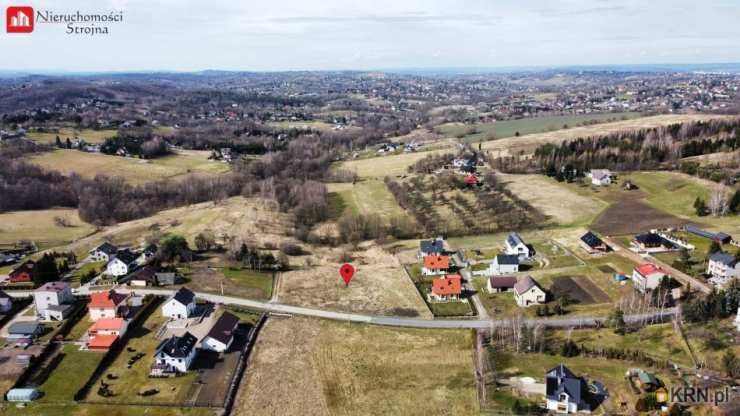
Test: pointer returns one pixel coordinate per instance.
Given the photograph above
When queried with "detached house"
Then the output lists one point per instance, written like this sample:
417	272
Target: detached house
110	304
181	305
651	242
105	332
123	263
147	254
601	177
515	245
723	267
23	273
564	392
527	292
174	355
647	277
504	264
497	284
434	247
103	252
434	265
53	301
447	288
6	302
221	335
593	244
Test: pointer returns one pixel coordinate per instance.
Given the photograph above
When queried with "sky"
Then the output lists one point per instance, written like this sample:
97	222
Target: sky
188	35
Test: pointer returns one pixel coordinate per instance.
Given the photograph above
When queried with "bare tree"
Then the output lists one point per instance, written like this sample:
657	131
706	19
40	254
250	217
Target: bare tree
719	202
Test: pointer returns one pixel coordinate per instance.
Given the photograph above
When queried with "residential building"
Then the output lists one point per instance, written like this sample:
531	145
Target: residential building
565	392
108	304
122	264
504	264
220	337
6	302
497	284
108	326
174	355
144	276
601	177
647	277
723	266
593	244
147	254
104	252
26	329
446	288
435	265
53	301
24	273
181	305
651	242
527	292
168	278
434	247
515	245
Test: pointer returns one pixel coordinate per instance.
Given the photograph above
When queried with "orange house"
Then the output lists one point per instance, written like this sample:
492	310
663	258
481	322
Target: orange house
434	265
447	288
23	273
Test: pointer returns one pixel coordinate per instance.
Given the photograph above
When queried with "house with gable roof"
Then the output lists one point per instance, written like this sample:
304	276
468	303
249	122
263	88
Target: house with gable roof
565	392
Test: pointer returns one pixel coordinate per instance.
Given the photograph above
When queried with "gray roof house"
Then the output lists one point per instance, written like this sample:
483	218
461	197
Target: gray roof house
565	392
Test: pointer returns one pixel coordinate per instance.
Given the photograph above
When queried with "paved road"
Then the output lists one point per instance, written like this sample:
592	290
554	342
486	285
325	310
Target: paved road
679	275
388	320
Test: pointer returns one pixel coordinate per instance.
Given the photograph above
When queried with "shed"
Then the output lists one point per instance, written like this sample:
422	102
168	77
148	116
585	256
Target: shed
22	395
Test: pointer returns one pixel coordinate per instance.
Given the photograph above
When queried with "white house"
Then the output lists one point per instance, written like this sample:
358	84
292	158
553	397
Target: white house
108	304
435	265
504	264
174	355
723	267
122	264
147	255
103	252
515	245
181	305
6	302
221	335
647	277
108	326
564	392
601	177
53	301
527	292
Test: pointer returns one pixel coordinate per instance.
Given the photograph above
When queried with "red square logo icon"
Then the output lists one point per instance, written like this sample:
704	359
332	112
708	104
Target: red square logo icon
19	19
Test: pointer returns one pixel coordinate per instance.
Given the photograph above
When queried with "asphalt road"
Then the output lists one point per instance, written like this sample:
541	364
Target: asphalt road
387	320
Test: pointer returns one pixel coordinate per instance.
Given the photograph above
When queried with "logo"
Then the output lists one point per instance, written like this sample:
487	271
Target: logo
661	395
19	19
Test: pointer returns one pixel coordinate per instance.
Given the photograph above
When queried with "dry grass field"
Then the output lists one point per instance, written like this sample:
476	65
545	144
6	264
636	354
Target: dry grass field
380	285
392	165
135	171
559	203
41	227
527	143
369	196
88	135
319	367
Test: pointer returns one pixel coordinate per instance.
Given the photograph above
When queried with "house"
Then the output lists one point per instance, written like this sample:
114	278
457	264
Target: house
104	252
53	301
497	284
6	302
647	277
515	245
447	288
434	265
174	355
723	266
221	335
26	272
101	342
600	177
168	278
651	242
181	305
593	244
109	304
147	254
434	247
27	329
122	264
564	392
108	326
504	264
145	276
527	292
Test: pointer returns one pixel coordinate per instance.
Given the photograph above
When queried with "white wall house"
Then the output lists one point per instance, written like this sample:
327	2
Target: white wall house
53	300
504	264
435	265
527	292
565	392
221	335
180	306
108	304
723	267
123	264
515	245
601	177
174	355
103	252
647	277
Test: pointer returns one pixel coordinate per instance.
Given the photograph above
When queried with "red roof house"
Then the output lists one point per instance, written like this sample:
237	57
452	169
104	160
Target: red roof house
448	287
435	265
23	273
101	342
108	304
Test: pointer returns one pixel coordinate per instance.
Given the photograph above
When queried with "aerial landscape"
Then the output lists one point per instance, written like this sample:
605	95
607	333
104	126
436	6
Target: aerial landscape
431	216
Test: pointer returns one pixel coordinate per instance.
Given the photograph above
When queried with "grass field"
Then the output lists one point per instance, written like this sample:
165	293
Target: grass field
40	226
88	135
83	409
136	171
369	196
302	125
392	165
320	367
70	375
509	128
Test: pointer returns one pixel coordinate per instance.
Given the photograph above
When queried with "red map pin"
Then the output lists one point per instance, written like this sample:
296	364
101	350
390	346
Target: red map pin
347	271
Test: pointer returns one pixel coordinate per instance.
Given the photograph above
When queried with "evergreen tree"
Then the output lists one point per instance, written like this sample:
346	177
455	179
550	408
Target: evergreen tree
735	202
59	142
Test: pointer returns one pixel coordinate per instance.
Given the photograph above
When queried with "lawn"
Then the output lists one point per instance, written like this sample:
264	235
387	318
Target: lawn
251	279
70	375
135	170
450	309
40	226
88	135
510	128
392	165
311	366
135	379
97	266
369	196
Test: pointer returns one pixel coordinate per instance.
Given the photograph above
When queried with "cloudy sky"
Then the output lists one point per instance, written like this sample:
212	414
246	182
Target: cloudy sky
264	35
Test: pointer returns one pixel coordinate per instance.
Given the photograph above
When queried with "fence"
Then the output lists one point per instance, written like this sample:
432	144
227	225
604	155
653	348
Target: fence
242	366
